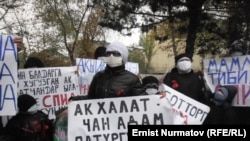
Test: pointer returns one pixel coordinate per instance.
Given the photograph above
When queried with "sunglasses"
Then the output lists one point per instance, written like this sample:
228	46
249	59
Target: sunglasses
114	53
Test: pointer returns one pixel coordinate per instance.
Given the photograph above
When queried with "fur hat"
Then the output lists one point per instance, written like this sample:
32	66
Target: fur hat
25	101
33	62
150	82
121	48
178	57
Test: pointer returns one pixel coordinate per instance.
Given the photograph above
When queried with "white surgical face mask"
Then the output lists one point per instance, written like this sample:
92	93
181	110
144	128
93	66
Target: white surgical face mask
151	91
33	109
113	61
184	66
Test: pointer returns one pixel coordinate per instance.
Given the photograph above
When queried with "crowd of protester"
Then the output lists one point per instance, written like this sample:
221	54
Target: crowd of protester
31	124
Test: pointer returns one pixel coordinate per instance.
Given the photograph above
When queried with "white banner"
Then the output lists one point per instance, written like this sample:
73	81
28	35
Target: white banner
193	111
230	71
107	119
51	86
8	75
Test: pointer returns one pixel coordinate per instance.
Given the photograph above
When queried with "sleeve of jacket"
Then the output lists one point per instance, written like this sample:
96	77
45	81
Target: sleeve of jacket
138	88
91	92
202	82
167	80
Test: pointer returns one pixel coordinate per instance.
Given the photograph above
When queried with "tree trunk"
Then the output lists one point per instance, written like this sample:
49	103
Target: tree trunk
194	13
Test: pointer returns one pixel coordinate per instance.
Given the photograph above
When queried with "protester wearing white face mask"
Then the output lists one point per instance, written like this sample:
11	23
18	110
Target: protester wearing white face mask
115	80
183	79
184	65
151	85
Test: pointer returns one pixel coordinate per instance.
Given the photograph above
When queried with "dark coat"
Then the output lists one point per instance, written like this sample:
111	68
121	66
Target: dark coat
29	127
190	84
223	114
115	82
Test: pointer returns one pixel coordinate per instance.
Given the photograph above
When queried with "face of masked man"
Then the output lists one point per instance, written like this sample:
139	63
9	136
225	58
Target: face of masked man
184	65
113	59
151	91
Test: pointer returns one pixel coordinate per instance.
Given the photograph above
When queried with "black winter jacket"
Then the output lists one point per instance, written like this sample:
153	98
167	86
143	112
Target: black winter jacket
115	82
190	84
223	114
29	127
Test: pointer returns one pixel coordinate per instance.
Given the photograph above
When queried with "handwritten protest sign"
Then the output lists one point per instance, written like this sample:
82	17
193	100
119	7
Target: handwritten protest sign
107	119
89	67
230	71
8	75
52	86
194	112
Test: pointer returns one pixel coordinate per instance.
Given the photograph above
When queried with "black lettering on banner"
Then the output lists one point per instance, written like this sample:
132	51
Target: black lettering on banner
25	83
39	74
67	79
144	100
159	118
107	137
121	123
101	108
190	109
97	124
105	124
78	110
112	108
69	87
123	107
132	121
145	120
86	122
21	75
44	90
78	138
134	106
97	137
87	110
23	91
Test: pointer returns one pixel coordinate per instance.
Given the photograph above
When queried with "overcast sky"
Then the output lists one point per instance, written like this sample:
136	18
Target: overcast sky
127	40
110	36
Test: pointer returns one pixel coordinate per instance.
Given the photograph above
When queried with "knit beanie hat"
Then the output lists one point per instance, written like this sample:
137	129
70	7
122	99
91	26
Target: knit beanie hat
100	52
25	101
220	96
178	57
121	48
232	91
150	82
